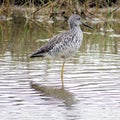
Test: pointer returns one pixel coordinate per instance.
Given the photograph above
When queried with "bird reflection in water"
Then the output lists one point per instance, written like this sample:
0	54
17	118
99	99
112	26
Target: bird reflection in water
56	93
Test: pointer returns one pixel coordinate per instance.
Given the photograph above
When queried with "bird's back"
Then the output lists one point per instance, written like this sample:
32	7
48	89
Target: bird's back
64	44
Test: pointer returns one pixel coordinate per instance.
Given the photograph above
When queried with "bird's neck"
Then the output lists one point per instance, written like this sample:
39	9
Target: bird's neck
75	28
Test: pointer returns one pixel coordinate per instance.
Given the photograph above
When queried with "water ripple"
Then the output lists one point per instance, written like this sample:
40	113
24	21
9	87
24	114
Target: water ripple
91	85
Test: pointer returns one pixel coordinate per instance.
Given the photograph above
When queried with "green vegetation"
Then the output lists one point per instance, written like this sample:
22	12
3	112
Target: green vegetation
22	26
55	7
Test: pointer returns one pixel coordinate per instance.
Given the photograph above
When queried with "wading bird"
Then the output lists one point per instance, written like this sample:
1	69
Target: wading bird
65	44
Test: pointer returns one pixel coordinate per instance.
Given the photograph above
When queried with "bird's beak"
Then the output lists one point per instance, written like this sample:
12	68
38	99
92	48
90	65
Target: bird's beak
87	26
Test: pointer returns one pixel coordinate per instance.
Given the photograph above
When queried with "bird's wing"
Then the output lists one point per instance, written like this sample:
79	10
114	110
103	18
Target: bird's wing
56	40
53	42
60	39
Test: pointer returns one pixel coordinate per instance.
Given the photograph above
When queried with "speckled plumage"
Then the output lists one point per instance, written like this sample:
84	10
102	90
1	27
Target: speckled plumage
64	44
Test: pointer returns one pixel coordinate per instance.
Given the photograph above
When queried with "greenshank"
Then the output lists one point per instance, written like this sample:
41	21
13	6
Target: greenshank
65	44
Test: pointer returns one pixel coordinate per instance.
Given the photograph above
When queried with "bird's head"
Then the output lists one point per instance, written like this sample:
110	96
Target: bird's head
75	20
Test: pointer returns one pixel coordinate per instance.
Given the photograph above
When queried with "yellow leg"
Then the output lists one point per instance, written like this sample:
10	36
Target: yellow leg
62	71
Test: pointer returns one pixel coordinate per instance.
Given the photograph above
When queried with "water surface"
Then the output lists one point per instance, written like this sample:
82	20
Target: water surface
31	88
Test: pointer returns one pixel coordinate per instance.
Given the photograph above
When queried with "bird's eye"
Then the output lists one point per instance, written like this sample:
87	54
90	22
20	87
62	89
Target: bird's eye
78	18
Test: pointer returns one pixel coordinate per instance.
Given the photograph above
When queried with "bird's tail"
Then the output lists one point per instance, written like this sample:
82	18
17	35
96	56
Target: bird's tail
37	54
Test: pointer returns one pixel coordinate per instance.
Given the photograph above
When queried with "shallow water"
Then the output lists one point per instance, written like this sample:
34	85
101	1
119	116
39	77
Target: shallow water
31	88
